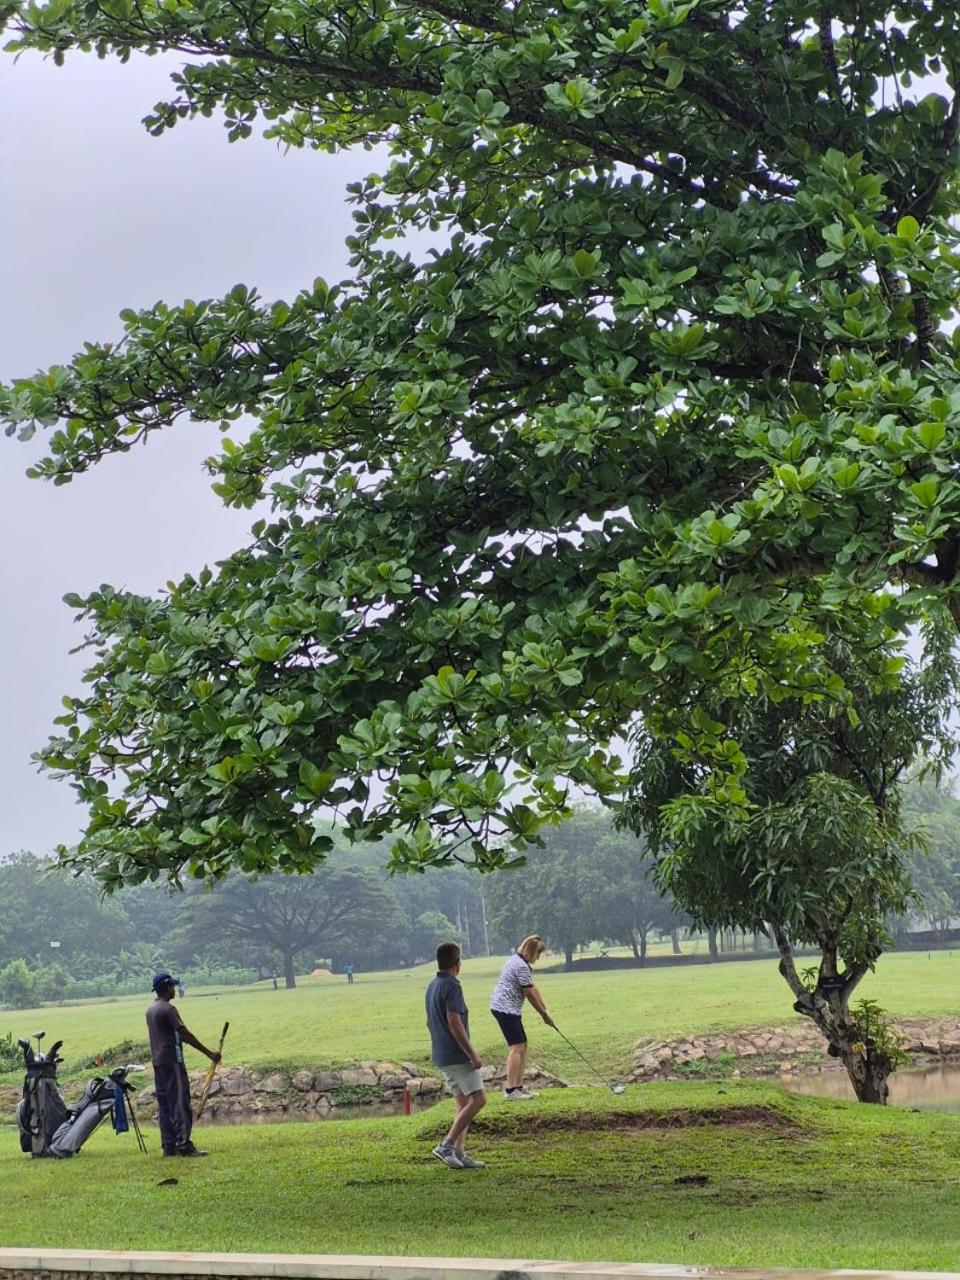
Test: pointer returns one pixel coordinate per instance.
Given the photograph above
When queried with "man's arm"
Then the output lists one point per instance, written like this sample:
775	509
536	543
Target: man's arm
188	1038
459	1033
536	999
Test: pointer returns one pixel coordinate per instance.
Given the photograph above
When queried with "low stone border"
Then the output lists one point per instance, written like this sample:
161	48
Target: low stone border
237	1091
75	1264
766	1049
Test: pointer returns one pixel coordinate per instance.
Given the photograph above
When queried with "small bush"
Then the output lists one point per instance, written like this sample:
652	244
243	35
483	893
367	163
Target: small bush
10	1056
355	1095
116	1055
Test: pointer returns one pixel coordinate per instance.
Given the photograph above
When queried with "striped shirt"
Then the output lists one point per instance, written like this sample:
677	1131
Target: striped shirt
507	995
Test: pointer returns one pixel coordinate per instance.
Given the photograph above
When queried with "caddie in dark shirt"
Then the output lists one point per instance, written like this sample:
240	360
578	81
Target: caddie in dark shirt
453	1053
168	1035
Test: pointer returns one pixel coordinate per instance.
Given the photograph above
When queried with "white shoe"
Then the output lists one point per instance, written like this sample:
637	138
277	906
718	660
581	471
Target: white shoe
448	1155
468	1162
518	1095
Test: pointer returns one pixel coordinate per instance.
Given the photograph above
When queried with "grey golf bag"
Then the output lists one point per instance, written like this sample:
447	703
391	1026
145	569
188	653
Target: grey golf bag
48	1127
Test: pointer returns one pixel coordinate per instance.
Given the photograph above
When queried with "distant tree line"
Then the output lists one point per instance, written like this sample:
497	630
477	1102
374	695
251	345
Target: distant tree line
60	939
589	884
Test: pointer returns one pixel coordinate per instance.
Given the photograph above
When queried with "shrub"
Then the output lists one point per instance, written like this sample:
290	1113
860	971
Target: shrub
9	1052
18	989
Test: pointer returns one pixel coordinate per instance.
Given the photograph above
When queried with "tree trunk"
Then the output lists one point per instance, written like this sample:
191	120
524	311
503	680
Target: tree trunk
568	956
712	944
643	948
868	1073
634	947
289	976
675	942
828	1005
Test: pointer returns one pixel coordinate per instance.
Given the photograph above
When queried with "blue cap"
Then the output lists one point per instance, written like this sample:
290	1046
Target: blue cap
163	980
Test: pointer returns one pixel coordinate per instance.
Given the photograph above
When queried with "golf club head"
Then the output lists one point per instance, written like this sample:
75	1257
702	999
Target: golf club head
23	1042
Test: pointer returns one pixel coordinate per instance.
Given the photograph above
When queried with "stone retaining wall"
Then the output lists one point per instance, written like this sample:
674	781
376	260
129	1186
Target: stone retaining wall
238	1091
760	1051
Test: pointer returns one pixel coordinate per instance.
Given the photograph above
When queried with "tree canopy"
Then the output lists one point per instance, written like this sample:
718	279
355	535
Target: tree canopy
668	403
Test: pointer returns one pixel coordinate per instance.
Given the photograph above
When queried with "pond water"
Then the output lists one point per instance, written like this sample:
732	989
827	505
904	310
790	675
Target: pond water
929	1088
373	1111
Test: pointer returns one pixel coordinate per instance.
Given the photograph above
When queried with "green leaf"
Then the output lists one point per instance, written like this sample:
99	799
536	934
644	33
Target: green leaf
926	491
931	434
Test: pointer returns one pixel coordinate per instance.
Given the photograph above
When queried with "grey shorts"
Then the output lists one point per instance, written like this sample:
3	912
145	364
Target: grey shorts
462	1078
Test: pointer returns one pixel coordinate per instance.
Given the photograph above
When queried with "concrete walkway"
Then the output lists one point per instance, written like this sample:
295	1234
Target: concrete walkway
54	1263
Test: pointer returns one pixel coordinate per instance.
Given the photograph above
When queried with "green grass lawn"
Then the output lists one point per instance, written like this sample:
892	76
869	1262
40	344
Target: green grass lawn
735	1174
381	1016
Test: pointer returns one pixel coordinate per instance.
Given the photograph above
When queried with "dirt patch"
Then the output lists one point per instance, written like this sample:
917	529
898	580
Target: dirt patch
374	1182
636	1123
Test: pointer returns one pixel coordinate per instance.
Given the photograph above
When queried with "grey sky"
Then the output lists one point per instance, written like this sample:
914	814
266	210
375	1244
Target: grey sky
95	216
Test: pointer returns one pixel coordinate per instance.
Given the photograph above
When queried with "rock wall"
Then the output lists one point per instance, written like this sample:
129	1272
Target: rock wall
237	1091
766	1049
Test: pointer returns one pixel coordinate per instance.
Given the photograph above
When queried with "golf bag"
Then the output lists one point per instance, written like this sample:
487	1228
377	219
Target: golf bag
47	1126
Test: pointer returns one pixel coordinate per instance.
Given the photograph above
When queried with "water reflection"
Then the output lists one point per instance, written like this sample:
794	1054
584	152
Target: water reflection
931	1088
372	1111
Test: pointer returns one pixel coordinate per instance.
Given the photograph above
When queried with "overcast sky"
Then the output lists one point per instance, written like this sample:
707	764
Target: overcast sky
95	216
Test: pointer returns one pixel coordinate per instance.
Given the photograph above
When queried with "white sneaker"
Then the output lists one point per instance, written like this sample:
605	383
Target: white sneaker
448	1155
518	1095
468	1162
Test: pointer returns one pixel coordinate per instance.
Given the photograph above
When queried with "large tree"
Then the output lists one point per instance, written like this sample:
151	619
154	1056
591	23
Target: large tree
334	912
555	892
626	902
46	915
588	883
822	860
671	396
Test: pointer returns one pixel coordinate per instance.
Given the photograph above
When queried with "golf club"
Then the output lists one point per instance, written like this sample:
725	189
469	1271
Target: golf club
614	1088
38	1036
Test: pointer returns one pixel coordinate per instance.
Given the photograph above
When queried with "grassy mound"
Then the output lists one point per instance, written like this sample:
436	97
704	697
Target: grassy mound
735	1175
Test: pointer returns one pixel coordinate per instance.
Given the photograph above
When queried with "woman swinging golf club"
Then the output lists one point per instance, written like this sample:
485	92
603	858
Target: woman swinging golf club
515	985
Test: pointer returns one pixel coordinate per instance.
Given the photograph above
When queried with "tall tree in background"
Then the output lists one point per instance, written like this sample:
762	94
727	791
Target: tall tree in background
589	883
553	894
626	902
40	905
337	910
935	870
671	400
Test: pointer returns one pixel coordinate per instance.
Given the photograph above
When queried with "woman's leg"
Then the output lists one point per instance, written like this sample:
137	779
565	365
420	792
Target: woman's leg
516	1059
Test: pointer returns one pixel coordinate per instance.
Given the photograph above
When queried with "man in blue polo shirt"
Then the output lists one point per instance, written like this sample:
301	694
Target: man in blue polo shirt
453	1053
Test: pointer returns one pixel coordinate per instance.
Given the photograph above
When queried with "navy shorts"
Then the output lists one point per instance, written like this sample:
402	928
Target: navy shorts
511	1024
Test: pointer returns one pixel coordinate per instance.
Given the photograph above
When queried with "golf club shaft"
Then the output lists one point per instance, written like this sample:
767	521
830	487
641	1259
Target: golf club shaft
136	1128
583	1058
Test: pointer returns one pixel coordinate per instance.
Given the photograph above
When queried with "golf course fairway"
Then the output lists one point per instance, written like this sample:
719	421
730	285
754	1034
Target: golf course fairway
728	1174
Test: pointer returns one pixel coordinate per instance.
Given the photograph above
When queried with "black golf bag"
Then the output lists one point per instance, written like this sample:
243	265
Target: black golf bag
47	1126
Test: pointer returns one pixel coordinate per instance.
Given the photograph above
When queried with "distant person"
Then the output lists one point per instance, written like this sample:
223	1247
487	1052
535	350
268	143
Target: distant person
348	970
453	1053
167	1038
515	985
181	988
